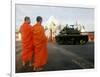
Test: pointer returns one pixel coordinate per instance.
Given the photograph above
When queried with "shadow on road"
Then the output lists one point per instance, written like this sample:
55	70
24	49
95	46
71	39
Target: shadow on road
62	57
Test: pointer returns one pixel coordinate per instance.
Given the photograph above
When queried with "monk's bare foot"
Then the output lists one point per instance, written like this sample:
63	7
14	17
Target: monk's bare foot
23	63
30	64
34	68
37	69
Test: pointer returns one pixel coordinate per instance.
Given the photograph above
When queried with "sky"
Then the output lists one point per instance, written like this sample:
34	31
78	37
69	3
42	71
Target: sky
67	15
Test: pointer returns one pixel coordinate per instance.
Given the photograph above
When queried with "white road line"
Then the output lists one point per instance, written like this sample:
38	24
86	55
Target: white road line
75	58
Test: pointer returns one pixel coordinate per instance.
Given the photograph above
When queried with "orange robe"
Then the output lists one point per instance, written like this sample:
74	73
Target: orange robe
40	45
27	45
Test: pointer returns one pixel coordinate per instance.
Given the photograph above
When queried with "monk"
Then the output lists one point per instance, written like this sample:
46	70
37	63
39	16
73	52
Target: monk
27	45
40	45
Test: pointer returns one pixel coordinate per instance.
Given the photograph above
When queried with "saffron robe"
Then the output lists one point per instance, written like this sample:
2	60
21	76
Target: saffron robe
40	45
27	45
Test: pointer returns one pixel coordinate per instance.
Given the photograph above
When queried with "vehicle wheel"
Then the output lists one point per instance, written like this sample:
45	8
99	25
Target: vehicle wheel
82	42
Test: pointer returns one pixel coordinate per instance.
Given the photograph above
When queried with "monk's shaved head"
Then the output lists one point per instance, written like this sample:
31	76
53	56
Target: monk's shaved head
27	19
39	19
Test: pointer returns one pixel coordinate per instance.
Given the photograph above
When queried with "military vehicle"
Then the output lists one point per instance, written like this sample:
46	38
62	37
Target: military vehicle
71	36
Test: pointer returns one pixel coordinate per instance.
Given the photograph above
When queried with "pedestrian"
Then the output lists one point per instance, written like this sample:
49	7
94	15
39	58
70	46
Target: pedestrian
40	45
27	45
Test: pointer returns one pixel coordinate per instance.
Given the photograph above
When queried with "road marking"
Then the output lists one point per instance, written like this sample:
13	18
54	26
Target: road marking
83	63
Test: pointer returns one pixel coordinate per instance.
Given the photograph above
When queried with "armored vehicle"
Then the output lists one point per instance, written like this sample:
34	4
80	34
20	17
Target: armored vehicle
71	36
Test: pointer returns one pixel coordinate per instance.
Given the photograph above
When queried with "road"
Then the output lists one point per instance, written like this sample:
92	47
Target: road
62	57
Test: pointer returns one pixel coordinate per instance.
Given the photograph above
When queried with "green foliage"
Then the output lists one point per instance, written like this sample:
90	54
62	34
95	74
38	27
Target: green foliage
16	30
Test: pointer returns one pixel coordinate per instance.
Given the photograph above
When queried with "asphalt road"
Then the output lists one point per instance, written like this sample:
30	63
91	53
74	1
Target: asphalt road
62	57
